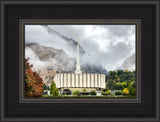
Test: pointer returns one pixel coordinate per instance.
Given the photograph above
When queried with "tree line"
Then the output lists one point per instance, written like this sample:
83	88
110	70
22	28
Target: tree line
122	80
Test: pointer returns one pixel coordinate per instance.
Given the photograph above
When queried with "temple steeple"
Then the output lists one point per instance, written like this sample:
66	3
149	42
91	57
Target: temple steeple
78	67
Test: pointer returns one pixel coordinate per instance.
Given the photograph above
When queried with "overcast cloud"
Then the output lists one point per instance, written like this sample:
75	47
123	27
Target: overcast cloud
104	45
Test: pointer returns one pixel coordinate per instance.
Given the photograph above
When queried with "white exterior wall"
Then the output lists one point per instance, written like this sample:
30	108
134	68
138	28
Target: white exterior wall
92	80
59	80
76	80
95	81
72	85
104	81
62	82
84	80
80	82
88	80
99	80
69	80
66	79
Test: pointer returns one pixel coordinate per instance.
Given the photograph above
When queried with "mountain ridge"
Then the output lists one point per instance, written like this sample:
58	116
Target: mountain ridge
48	60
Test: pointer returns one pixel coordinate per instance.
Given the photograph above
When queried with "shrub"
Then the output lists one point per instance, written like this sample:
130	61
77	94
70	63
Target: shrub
112	95
84	90
118	93
103	93
125	91
77	93
92	93
133	91
108	92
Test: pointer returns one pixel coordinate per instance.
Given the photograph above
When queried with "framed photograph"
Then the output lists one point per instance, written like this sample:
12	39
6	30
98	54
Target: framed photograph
79	61
78	71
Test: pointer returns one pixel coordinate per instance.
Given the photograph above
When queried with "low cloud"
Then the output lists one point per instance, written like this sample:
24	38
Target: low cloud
106	46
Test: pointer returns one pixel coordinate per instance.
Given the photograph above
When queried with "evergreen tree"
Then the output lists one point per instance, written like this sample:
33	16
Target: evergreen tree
45	87
53	90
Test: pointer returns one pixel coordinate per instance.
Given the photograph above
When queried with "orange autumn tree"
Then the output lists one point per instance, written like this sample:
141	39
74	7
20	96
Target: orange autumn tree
33	82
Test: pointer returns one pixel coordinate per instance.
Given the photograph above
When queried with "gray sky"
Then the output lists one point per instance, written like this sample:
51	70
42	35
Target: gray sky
104	45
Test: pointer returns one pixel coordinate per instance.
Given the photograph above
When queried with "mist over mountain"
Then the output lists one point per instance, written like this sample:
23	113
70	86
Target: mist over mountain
47	61
70	41
129	63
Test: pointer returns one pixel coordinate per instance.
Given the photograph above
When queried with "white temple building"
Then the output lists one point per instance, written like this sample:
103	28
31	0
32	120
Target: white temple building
79	80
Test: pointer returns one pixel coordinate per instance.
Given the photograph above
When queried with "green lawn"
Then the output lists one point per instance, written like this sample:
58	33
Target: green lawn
64	96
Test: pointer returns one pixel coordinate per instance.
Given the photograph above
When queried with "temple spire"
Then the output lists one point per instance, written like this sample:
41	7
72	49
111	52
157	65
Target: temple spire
78	67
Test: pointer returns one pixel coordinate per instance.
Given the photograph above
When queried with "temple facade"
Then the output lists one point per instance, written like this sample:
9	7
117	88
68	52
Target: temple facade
79	80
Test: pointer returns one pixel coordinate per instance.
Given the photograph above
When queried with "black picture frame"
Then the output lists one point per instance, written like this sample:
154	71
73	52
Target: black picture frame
12	14
23	22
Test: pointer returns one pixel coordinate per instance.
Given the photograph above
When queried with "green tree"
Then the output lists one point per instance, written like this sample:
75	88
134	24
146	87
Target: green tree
109	83
122	79
53	90
106	88
112	73
134	84
124	85
45	87
117	79
116	87
120	72
132	89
